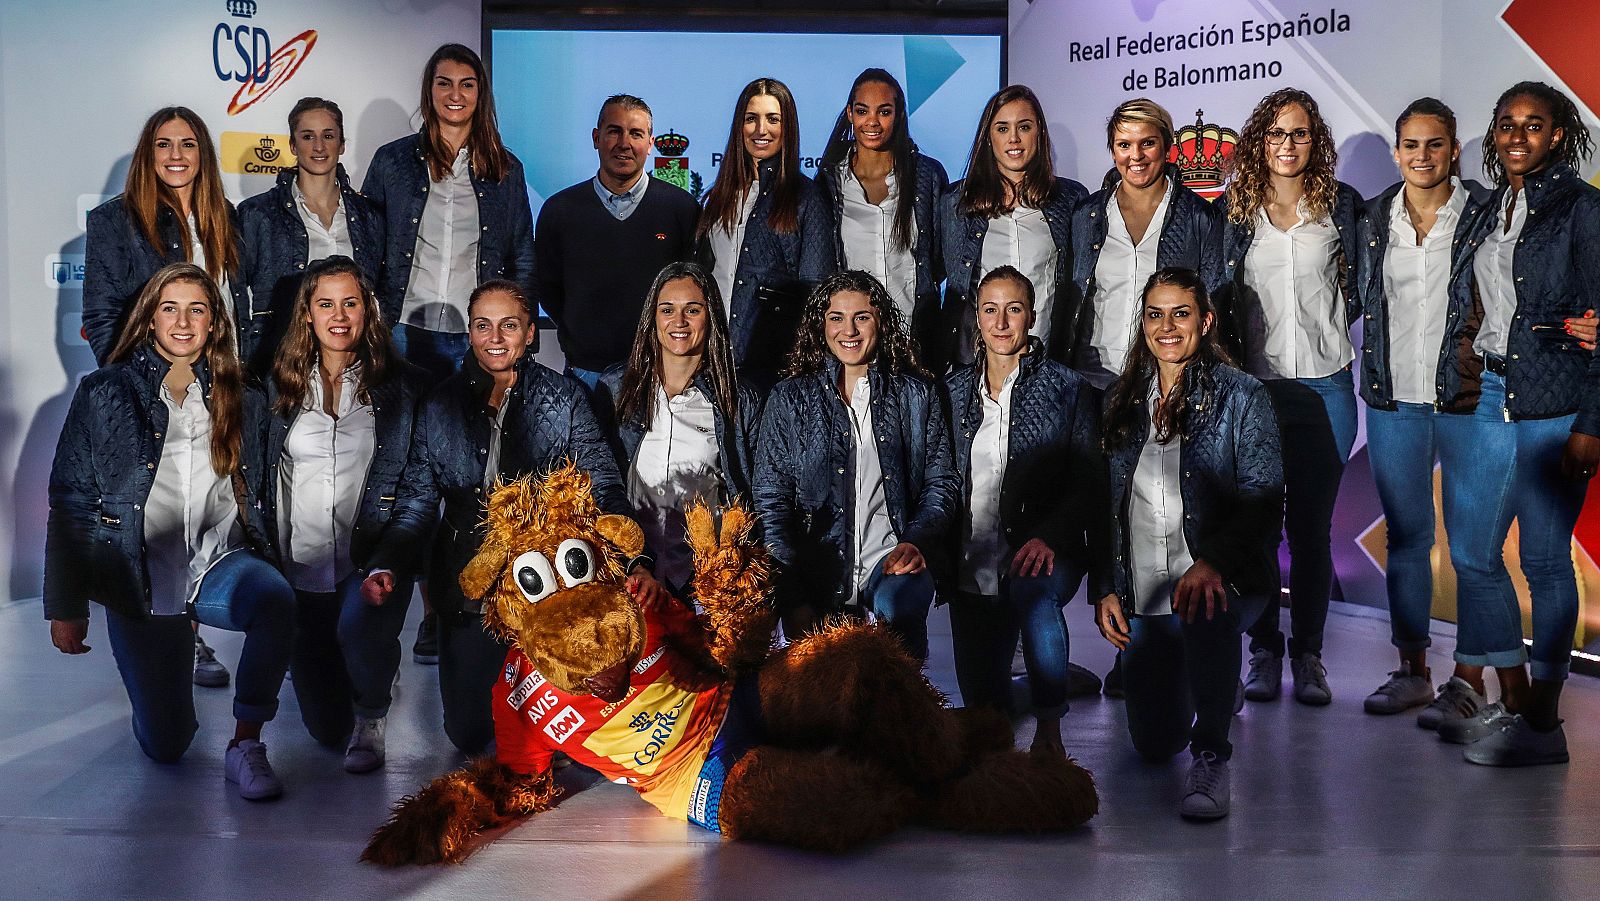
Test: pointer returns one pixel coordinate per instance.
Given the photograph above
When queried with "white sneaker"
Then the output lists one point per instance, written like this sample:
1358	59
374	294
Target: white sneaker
365	752
246	766
1206	790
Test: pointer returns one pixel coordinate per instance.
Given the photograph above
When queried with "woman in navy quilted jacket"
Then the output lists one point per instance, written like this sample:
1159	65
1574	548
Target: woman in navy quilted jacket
763	234
151	517
1196	505
310	214
854	480
340	410
1533	442
883	197
1027	448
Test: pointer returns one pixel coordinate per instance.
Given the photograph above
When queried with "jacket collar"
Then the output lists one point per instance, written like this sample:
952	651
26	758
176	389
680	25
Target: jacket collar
833	371
480	383
1543	186
151	368
287	176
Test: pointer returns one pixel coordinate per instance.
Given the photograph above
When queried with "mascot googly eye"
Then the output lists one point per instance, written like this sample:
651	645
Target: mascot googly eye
575	560
536	579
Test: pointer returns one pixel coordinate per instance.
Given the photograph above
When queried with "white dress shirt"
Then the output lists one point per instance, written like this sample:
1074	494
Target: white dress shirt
867	231
1159	553
191	519
321	477
197	255
497	425
1295	274
726	245
984	548
873	530
676	463
1119	276
1497	281
444	263
323	241
1022	238
1416	282
621	206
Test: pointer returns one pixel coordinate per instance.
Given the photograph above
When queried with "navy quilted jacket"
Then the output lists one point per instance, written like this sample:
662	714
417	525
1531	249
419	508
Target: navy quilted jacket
963	255
1376	384
736	440
774	274
397	181
805	478
1055	482
1244	329
104	468
547	422
1557	271
274	256
1191	237
932	182
1232	485
395	404
117	263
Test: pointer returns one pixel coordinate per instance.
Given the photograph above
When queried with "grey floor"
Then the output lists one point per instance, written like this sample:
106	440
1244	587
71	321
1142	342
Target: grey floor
1328	803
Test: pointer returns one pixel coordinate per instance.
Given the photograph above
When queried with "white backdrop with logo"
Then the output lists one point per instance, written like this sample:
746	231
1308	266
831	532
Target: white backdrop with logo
77	79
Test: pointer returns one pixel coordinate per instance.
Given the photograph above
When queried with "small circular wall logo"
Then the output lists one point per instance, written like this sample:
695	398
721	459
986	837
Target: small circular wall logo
285	61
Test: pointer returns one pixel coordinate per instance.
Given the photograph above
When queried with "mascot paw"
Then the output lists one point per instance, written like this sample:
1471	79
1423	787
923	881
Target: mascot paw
1016	791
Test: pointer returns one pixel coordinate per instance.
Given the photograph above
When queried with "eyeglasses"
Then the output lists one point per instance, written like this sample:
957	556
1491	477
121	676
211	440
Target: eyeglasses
1299	136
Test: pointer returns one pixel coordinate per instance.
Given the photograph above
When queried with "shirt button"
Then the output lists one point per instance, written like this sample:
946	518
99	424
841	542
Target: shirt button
841	472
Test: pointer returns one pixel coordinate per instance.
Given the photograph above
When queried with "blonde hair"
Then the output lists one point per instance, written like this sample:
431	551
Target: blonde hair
1141	111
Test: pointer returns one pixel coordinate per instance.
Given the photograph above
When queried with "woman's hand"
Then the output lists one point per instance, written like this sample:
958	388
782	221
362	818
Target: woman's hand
1113	625
647	591
1034	559
68	635
1200	588
1584	329
904	560
1581	458
376	587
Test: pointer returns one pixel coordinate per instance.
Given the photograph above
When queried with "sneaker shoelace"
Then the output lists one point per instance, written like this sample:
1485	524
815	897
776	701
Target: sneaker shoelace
1205	775
1258	663
1312	670
203	653
1454	697
1392	687
255	759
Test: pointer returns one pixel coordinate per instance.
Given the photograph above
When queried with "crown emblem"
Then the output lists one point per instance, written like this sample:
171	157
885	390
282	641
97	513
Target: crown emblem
242	9
1202	152
672	144
267	149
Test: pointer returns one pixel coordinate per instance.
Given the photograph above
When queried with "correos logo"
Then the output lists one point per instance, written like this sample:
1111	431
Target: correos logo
253	153
242	52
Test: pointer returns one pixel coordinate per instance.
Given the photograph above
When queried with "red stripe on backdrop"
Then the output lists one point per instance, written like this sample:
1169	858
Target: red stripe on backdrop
1563	33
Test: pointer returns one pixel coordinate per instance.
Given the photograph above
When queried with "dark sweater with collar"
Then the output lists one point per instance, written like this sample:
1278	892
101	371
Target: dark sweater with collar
592	270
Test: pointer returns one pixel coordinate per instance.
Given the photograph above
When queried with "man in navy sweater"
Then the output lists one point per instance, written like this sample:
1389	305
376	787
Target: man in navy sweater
599	244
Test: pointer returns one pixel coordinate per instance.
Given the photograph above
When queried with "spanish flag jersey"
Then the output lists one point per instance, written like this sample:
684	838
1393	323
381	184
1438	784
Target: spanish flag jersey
655	739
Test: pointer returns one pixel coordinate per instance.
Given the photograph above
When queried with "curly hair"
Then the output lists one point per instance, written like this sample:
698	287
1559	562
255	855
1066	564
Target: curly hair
896	352
1251	184
1571	149
1125	396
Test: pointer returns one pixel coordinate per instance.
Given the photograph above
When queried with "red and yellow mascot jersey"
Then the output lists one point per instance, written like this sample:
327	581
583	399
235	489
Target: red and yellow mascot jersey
655	739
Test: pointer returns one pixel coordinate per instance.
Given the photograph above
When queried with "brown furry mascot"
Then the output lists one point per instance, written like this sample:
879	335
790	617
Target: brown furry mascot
831	742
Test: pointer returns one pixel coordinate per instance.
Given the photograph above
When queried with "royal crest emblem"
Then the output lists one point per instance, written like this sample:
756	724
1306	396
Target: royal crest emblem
673	167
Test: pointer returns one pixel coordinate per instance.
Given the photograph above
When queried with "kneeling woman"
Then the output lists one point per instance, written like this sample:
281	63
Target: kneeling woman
854	480
679	421
1027	441
1196	495
341	408
149	516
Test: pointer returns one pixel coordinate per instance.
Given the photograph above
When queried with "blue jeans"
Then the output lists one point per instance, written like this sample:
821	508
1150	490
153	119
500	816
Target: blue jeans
984	634
1401	444
1317	424
470	659
155	654
346	653
1512	470
902	603
441	354
589	377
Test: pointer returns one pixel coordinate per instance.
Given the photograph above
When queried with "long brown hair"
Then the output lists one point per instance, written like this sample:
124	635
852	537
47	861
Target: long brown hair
739	167
1248	189
145	193
897	350
226	399
490	161
636	399
296	364
983	191
1171	417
